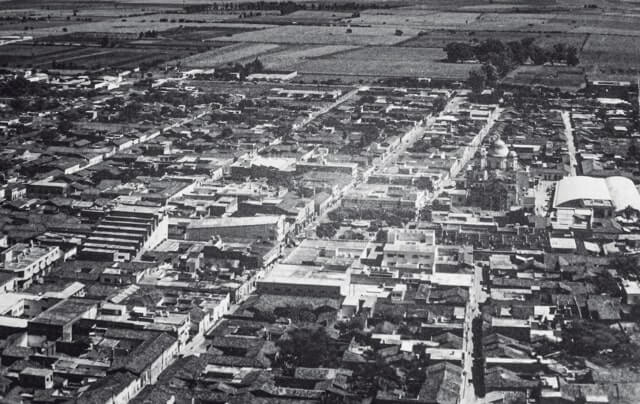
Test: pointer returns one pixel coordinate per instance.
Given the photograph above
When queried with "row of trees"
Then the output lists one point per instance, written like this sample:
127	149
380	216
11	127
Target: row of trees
499	58
599	342
22	87
285	7
505	56
244	69
396	218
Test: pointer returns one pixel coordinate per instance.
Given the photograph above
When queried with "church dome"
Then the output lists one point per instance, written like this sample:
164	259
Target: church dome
498	149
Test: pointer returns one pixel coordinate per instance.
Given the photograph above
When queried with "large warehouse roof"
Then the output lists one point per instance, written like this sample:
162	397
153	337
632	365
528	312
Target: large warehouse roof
619	191
580	188
623	192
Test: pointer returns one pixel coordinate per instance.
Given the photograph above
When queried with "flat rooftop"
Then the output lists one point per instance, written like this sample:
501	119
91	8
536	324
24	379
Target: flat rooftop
305	275
234	221
65	311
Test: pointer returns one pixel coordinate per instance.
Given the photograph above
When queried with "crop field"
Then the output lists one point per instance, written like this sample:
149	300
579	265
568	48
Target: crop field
228	54
125	59
321	35
305	17
516	22
22	55
562	77
548	40
195	2
390	62
440	38
295	55
81	57
612	55
417	19
130	25
600	22
199	34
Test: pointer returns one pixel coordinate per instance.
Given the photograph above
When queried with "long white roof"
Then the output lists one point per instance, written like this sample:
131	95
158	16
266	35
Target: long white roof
580	187
623	193
620	191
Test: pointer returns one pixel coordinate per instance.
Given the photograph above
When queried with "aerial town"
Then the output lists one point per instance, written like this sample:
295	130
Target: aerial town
318	202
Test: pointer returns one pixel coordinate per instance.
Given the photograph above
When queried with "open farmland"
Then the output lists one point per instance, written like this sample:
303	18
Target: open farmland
83	57
440	38
517	22
130	25
303	17
548	40
199	34
601	22
30	55
293	56
228	54
416	19
618	56
562	77
321	35
118	58
390	62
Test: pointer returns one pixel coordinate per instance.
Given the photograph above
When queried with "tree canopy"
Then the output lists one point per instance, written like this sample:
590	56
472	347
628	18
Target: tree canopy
308	347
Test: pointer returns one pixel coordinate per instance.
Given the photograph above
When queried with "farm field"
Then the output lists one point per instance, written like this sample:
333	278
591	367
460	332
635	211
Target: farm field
25	55
404	39
548	40
228	54
612	55
417	19
128	25
390	62
322	35
440	38
304	17
617	22
125	59
200	34
83	57
562	77
295	55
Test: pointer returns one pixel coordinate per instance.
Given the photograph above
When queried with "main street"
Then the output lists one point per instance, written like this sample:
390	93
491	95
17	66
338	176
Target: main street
571	146
342	99
408	139
467	391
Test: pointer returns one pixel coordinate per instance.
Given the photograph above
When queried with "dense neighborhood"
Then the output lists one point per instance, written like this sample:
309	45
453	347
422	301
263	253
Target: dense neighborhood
232	234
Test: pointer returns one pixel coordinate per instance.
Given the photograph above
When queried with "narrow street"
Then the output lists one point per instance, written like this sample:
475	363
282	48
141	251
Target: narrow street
342	99
96	161
467	392
568	133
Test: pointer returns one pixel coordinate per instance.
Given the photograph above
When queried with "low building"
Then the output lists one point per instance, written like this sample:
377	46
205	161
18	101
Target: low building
305	280
410	251
270	228
328	167
47	188
605	197
149	359
124	233
25	263
56	323
273	75
384	197
631	291
36	378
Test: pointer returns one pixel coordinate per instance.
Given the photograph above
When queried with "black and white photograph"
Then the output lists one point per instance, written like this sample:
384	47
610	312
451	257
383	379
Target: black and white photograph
320	202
